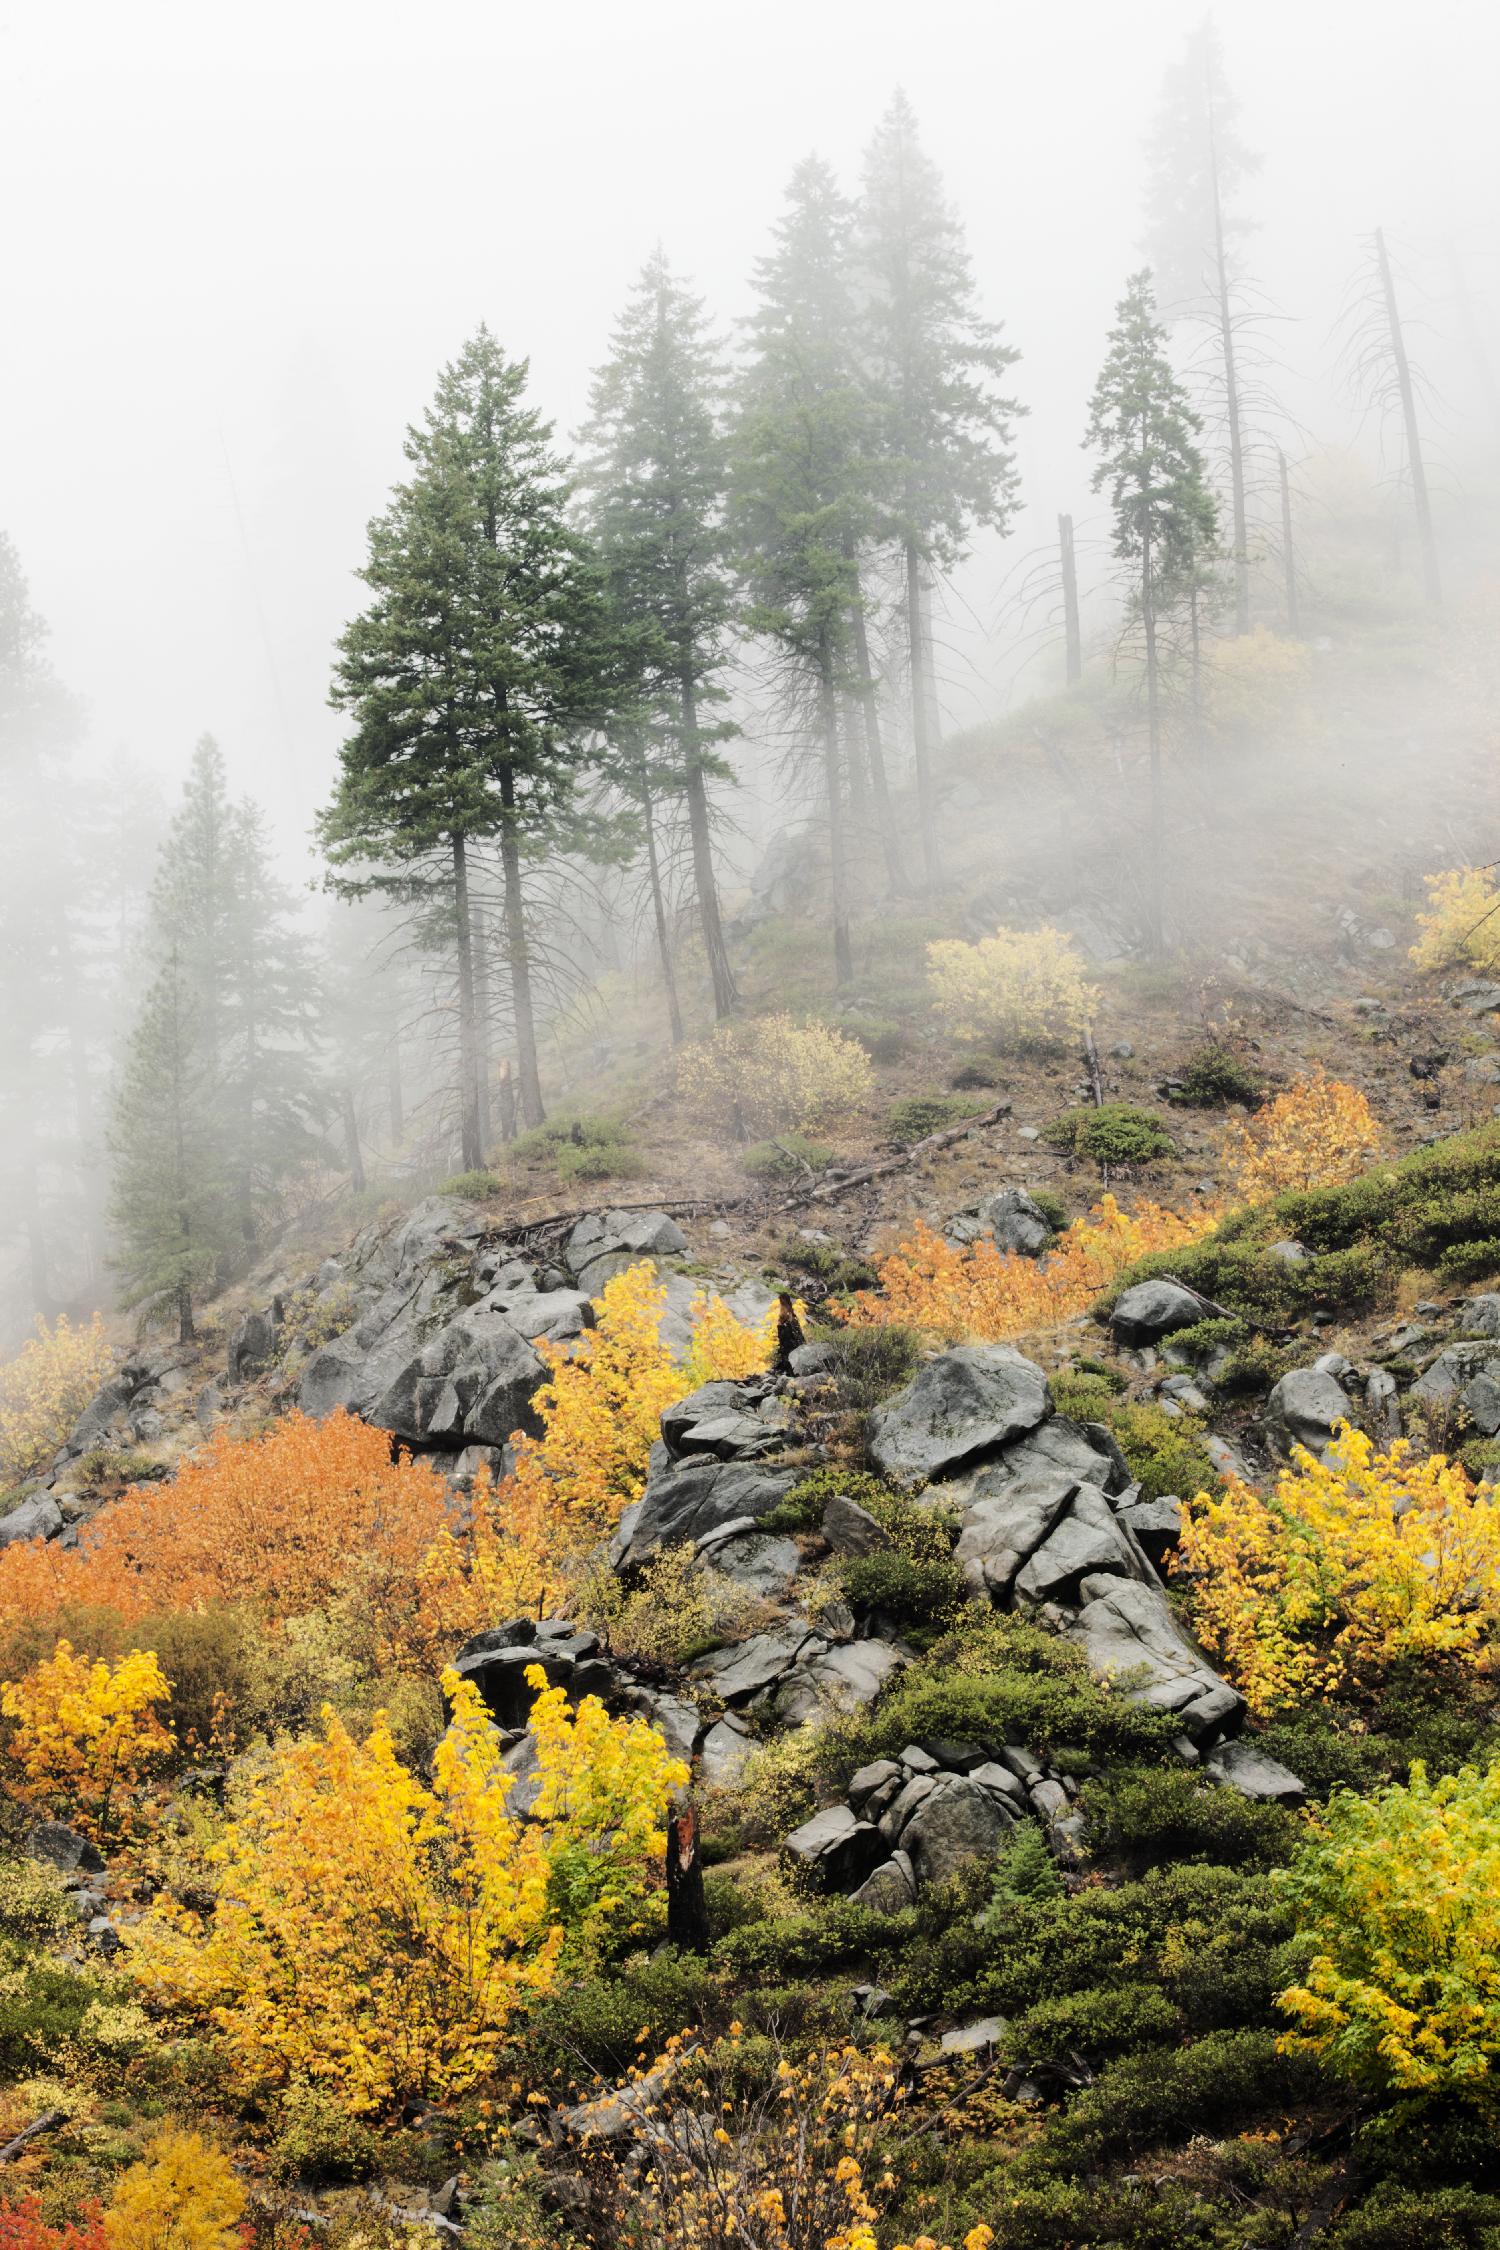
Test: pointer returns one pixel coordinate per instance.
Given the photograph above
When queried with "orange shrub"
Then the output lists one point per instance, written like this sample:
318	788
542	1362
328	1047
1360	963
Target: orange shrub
1317	1134
994	1294
286	1521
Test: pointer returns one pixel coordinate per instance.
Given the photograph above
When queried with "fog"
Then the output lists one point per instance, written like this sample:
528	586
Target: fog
241	245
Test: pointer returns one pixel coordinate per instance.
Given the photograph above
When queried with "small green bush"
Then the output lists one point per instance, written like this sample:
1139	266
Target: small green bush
1165	1452
1052	1207
473	1187
802	1508
884	1039
600	1160
1228	2081
831	1932
912	1120
928	1594
977	1074
1024	1872
1113	1134
1406	2218
790	1157
837	1270
1147	1819
1212	1077
870	1363
1120	2019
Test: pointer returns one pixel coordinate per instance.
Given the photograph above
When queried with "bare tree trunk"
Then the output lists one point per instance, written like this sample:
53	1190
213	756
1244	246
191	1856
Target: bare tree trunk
1154	915
1231	394
507	1101
1072	631
916	636
1431	581
395	1105
518	958
482	1025
687	1908
353	1154
705	882
843	954
855	766
1288	553
186	1333
659	910
468	1085
885	818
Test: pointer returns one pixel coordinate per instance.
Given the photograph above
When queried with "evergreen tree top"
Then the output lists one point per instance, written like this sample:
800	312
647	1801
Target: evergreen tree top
1196	164
1144	430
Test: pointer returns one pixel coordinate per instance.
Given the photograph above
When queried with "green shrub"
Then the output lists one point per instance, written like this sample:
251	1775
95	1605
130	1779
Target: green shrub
912	1120
1112	1134
868	1364
977	1074
1025	1870
603	2023
802	1508
473	1187
791	1157
1120	2019
832	1931
1226	2082
1165	1452
1405	2218
1212	1077
1052	1207
837	1270
927	1594
884	1039
1144	1819
600	1160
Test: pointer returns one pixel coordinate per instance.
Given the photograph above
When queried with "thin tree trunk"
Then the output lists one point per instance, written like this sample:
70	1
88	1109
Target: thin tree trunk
855	766
1154	915
1431	581
659	909
1072	631
885	818
705	882
1231	394
482	1025
916	636
843	955
1288	553
507	1102
687	1908
186	1333
353	1155
518	958
395	1104
468	1085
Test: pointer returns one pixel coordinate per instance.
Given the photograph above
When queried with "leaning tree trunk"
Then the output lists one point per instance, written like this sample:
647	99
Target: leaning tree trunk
705	882
659	908
468	1082
920	654
1288	551
1431	581
838	845
353	1154
1231	402
518	957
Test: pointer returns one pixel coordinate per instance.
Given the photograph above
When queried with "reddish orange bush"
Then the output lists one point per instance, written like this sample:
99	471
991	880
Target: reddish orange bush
286	1521
22	2227
993	1294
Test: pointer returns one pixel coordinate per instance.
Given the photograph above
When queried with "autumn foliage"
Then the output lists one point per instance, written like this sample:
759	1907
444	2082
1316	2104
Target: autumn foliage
1461	926
22	2227
44	1389
182	2195
1016	987
373	1934
1343	1569
771	1074
1319	1133
286	1521
1398	1897
84	1737
990	1294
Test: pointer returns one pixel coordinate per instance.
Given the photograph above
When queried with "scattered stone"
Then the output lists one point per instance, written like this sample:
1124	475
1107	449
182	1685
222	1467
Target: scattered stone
1153	1309
736	1674
974	2038
1302	1410
1481	1316
851	1529
607	1242
725	1753
1254	1773
40	1517
839	1849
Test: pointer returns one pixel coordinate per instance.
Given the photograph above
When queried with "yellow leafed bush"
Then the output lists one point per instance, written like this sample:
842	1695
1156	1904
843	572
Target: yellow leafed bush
183	2195
771	1074
1461	925
1399	1896
1319	1133
1345	1568
1016	987
44	1389
980	1291
372	1934
85	1736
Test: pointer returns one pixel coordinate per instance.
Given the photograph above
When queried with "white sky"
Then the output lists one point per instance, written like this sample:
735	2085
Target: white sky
238	246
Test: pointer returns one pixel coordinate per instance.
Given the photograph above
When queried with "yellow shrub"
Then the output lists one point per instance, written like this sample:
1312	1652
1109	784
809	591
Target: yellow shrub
771	1074
1462	923
723	1349
1345	1568
992	1294
1399	1895
1254	681
372	1935
1017	986
1317	1134
183	2195
85	1736
44	1389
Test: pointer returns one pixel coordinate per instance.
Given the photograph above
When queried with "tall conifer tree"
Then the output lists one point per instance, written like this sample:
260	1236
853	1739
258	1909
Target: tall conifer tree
1145	434
935	365
656	468
476	679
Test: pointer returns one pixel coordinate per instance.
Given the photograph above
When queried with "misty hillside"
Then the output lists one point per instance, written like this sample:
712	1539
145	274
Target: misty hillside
750	1360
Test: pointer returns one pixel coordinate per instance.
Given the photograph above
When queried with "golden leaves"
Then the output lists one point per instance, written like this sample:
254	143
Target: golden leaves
1319	1133
44	1389
86	1736
1014	987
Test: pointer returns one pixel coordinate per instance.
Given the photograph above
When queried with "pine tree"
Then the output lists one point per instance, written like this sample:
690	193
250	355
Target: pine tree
803	496
271	1098
1198	162
172	1191
1144	431
476	679
934	364
656	468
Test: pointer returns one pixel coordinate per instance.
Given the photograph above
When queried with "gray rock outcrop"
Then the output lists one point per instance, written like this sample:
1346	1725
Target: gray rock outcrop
961	1406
